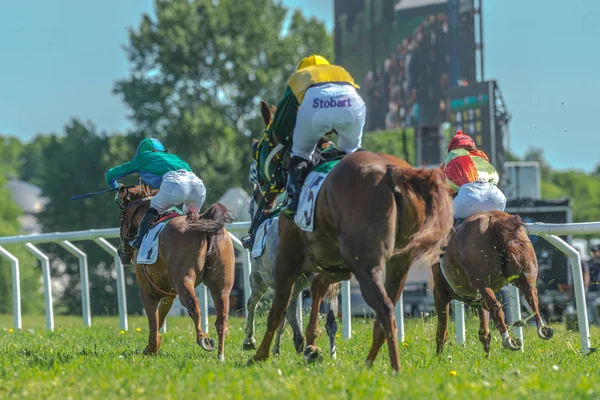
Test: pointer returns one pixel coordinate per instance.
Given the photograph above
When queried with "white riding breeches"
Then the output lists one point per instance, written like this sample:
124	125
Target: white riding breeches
478	197
180	187
327	107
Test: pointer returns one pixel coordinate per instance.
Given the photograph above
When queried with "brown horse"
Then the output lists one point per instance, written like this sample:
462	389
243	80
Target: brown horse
487	251
373	210
192	249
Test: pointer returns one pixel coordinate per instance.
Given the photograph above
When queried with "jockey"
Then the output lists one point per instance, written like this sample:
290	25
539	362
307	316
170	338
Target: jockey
320	97
470	174
164	171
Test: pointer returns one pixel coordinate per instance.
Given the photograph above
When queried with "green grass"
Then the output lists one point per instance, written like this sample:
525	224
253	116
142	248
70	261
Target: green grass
104	363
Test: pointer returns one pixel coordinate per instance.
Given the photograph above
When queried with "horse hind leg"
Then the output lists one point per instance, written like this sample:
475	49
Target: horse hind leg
332	307
293	317
221	300
375	294
185	289
397	268
259	288
491	304
277	344
484	330
318	288
529	288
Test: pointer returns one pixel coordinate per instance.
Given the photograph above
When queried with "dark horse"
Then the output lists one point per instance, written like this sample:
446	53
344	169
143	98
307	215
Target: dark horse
487	251
192	249
373	211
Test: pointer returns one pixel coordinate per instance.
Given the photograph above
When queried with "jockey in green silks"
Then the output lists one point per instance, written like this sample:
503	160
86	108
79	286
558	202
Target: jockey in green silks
320	98
164	171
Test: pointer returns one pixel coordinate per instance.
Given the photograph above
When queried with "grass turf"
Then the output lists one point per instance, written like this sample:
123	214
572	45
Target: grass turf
104	363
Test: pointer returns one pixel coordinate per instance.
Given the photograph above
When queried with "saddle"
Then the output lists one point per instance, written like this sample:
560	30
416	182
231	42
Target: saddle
169	214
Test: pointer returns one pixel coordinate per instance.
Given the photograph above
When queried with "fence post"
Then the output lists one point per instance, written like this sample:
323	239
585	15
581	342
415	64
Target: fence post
459	318
47	283
299	309
246	269
515	309
579	288
85	280
346	310
16	287
203	300
121	297
400	318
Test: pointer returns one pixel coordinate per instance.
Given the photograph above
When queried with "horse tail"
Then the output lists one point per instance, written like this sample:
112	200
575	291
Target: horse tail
435	226
505	232
211	223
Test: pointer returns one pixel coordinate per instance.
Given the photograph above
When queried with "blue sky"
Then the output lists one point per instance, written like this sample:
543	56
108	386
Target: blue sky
59	59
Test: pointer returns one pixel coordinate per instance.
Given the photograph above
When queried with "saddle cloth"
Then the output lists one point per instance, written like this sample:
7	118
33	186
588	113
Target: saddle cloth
261	237
148	253
304	218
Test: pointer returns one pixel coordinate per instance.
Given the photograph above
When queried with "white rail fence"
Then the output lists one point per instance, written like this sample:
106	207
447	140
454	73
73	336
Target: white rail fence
547	231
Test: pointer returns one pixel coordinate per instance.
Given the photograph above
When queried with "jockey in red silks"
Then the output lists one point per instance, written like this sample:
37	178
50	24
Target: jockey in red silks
470	174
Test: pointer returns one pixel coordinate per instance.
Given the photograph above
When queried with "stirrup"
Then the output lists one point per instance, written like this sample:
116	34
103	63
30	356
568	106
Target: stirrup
247	242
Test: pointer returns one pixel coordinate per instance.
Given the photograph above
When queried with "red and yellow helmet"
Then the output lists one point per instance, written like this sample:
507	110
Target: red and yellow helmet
461	141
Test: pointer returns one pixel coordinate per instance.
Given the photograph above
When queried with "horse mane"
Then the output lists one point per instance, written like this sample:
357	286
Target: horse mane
140	191
210	223
505	229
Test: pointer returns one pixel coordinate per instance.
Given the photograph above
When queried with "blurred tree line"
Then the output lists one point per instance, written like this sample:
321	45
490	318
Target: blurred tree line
197	72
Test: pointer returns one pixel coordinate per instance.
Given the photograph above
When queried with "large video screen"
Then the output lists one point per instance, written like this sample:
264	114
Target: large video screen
398	52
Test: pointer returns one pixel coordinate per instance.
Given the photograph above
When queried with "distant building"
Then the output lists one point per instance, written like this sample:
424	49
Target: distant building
28	198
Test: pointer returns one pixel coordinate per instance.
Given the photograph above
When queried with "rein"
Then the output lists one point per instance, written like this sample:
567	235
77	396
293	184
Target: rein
159	290
137	204
129	236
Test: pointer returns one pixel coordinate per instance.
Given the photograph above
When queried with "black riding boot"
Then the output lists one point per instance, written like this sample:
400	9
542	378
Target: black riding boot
248	240
147	220
297	173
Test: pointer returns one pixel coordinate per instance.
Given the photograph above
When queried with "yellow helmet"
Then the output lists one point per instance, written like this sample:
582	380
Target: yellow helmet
311	60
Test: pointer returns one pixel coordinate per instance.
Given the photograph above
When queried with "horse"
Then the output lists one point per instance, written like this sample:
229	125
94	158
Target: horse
192	249
262	279
373	210
487	251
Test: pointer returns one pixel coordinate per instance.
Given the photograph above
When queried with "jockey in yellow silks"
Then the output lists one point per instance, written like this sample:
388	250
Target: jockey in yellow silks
320	97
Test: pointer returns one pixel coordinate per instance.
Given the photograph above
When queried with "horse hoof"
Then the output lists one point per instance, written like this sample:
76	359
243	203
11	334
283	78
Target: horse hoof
250	345
512	344
221	358
207	344
334	355
312	354
253	361
545	332
147	352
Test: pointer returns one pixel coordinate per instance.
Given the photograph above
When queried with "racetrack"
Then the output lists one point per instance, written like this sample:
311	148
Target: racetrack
104	363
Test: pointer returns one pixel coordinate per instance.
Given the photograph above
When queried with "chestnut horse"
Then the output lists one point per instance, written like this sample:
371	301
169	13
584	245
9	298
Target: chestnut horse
373	210
487	251
192	249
